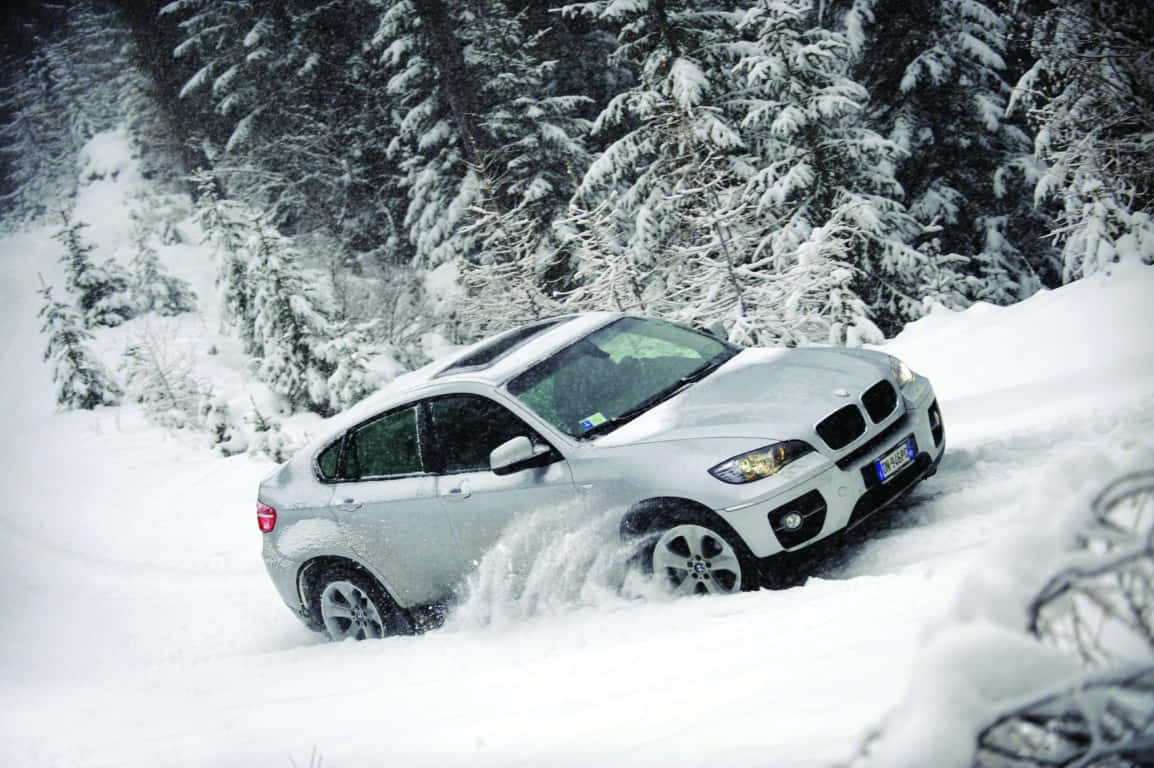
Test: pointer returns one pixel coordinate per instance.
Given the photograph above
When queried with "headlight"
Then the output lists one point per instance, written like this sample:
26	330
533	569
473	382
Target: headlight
901	371
761	463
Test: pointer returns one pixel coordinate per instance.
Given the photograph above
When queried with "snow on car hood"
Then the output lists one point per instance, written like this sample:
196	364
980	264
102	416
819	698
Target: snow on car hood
771	394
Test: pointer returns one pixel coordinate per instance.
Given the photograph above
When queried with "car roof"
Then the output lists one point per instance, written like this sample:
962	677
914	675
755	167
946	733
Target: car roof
538	347
439	372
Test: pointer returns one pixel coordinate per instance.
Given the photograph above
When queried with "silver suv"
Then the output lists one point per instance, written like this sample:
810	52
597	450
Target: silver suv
723	461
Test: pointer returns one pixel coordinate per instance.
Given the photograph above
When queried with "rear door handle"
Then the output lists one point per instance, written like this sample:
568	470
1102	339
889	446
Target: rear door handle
460	492
351	505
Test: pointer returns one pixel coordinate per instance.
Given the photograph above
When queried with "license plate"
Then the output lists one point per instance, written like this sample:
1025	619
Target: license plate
896	460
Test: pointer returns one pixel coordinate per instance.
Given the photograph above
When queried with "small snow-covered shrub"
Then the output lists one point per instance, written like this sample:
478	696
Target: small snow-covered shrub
81	379
159	376
1101	608
1047	658
267	437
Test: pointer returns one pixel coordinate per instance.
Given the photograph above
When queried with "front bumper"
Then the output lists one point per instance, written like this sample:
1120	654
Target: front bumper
840	494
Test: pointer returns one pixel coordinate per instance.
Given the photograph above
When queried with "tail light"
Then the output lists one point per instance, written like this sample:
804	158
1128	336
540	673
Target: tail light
265	517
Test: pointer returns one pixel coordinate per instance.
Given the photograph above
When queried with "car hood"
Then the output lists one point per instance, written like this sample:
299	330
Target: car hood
770	394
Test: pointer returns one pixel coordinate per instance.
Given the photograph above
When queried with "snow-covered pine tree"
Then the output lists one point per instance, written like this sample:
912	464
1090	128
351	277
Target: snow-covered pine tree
267	437
226	226
640	199
289	328
823	196
81	379
101	291
1091	94
507	283
55	98
532	162
437	141
300	117
152	289
936	73
214	417
347	356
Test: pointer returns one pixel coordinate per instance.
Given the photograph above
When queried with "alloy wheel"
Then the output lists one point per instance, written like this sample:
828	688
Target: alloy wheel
697	561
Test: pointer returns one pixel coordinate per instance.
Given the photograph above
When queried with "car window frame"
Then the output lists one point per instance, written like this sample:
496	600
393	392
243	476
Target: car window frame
348	444
437	467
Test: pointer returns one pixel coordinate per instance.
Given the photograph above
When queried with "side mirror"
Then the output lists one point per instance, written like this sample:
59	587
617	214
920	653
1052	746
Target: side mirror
518	453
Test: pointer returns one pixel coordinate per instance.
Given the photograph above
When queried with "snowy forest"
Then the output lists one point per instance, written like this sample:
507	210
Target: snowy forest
794	171
224	221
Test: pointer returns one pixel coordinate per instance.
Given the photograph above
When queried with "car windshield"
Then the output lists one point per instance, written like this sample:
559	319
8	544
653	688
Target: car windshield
617	373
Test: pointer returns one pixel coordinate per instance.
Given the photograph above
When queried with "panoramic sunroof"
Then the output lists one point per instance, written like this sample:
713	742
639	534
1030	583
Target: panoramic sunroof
486	354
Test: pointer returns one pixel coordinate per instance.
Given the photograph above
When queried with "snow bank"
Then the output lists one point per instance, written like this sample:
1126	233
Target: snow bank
979	661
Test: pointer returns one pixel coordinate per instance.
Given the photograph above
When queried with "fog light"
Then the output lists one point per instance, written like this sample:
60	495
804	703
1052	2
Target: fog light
792	521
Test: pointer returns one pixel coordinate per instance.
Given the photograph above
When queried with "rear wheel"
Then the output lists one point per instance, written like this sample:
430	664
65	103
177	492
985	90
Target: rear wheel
697	559
353	606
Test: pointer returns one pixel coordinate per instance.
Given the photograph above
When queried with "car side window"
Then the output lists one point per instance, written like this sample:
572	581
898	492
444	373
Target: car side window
467	428
386	447
329	461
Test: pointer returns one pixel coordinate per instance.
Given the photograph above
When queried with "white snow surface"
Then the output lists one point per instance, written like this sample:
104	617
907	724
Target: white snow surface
138	628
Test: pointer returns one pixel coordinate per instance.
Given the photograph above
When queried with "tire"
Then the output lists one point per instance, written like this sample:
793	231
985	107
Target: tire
353	606
699	557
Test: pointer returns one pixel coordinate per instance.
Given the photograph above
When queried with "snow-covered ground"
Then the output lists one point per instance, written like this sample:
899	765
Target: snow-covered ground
138	628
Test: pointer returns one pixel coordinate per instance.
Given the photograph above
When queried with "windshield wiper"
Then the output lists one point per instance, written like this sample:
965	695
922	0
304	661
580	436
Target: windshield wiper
698	374
710	366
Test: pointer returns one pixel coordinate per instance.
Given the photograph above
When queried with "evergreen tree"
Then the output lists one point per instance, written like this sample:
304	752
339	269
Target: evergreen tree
288	326
824	190
674	142
57	97
1091	93
226	225
101	292
81	379
346	355
152	289
936	73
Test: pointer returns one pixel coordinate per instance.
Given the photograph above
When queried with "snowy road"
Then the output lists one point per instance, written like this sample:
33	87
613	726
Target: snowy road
137	627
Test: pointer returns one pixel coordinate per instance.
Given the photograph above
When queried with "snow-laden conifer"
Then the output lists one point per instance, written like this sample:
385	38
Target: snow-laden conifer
152	289
101	291
640	202
288	326
823	199
226	227
1091	90
81	379
938	92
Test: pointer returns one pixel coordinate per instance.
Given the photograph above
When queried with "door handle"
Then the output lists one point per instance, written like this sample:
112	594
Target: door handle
460	492
351	505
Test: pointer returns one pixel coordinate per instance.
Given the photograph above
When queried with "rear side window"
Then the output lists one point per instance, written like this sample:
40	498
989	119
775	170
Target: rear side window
329	461
387	446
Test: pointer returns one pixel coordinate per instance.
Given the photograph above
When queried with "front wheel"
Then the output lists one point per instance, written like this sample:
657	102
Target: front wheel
353	606
698	560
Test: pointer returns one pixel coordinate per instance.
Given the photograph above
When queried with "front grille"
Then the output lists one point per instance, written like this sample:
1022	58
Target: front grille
842	427
875	444
880	401
811	506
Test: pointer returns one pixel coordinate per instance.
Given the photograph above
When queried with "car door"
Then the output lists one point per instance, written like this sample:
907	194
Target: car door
390	512
480	504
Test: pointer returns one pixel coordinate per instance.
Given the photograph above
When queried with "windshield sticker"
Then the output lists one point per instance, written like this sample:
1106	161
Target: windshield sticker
595	420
